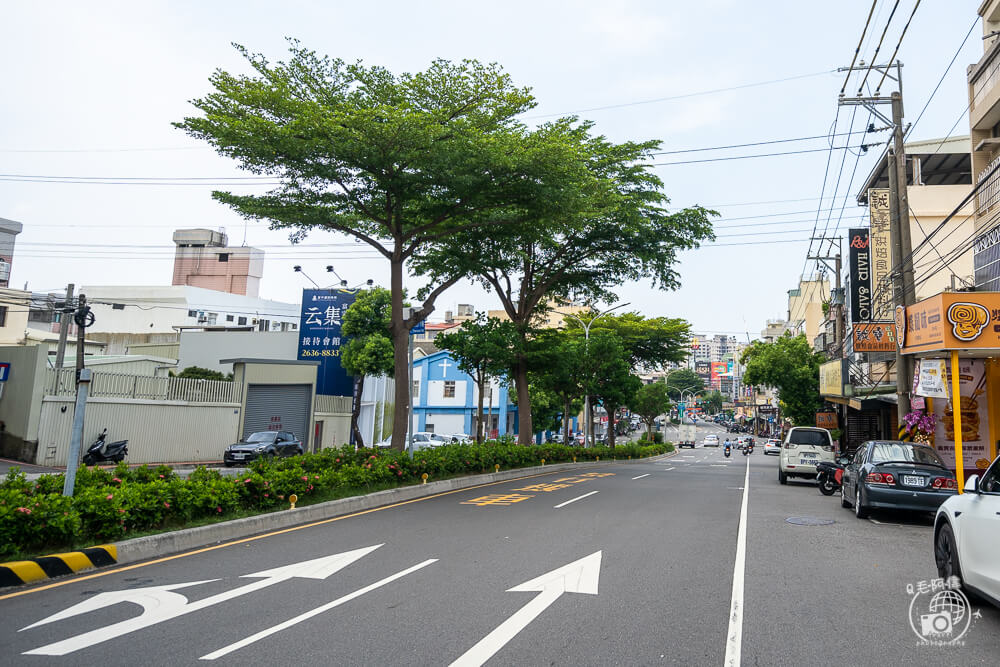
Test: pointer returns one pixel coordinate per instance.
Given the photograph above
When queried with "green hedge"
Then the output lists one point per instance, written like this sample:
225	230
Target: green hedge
110	505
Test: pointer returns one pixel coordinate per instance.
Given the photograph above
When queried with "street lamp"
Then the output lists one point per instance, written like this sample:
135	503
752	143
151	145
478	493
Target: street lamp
586	337
298	269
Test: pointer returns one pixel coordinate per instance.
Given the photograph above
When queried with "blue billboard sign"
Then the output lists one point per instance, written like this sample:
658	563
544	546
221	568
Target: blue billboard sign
320	339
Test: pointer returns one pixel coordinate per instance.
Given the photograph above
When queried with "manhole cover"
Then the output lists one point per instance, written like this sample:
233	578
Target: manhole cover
808	521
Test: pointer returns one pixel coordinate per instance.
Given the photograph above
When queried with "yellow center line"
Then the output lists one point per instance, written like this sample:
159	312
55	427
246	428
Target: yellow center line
104	573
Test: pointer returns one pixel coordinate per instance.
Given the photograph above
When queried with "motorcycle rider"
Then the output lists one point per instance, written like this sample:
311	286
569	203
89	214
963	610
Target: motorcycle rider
728	445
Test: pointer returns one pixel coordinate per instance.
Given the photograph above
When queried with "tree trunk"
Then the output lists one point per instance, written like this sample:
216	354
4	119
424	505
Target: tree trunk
611	409
649	429
359	386
524	432
566	419
480	382
401	365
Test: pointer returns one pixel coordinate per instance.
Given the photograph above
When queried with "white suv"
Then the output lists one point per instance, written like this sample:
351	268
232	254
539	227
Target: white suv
804	447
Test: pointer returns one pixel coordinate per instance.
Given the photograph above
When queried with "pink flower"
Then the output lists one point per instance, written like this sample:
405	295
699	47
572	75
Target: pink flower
310	487
337	461
266	495
315	476
24	510
219	510
121	511
162	477
368	465
167	505
305	478
110	496
115	479
400	473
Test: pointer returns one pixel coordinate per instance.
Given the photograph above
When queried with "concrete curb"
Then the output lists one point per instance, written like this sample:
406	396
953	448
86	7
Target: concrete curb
163	544
56	565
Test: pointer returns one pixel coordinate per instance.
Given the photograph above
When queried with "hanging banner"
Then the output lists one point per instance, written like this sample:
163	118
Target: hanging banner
975	417
931	379
916	402
831	377
861	277
874	337
319	338
880	248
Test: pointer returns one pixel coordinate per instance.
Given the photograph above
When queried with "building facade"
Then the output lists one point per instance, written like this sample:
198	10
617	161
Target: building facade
204	259
445	400
9	230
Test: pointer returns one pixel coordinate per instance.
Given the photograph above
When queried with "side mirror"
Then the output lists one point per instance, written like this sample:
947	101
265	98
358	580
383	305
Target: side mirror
972	484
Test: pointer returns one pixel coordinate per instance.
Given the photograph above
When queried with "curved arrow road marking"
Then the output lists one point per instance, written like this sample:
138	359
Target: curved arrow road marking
159	604
580	576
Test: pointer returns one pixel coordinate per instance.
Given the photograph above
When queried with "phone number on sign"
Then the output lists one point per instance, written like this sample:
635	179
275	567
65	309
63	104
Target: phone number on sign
320	353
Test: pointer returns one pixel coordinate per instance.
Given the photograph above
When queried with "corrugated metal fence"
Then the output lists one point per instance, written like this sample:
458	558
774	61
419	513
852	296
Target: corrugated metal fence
120	385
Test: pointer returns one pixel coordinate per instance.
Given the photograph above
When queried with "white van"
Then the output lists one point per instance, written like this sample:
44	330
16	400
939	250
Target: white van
803	448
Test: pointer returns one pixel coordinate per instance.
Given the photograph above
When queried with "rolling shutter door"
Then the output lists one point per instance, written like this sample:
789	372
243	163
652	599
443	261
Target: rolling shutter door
278	407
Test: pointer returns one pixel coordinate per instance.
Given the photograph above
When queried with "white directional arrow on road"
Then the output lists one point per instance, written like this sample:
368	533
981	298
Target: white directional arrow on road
580	576
160	603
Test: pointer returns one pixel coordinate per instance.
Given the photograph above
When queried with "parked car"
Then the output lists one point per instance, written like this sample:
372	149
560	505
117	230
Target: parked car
772	446
421	440
711	440
891	474
457	438
803	448
967	535
268	444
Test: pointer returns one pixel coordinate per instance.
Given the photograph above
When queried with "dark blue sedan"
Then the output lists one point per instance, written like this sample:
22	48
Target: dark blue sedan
891	474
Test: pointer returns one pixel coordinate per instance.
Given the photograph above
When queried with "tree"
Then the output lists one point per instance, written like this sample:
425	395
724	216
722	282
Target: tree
408	164
680	381
199	373
608	375
368	350
618	231
713	401
790	365
555	359
482	348
649	402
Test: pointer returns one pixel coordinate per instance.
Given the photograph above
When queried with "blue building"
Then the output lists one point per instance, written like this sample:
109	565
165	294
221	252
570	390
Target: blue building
445	400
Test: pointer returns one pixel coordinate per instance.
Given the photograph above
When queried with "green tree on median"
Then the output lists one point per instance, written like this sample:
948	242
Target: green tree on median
790	365
649	402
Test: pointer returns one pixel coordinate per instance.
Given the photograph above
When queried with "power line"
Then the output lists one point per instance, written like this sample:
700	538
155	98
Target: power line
943	75
684	96
755	143
877	48
895	52
759	155
858	49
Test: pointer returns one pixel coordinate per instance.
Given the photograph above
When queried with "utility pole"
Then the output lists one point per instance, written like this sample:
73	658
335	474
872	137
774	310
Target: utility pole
64	318
836	306
899	219
80	319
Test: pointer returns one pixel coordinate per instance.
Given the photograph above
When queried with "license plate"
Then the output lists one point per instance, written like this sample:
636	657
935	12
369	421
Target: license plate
807	462
238	456
913	480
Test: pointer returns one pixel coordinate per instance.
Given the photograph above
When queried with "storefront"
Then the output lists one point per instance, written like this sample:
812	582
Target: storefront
954	340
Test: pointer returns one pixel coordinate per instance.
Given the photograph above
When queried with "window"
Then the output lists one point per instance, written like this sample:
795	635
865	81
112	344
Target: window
241	321
223	256
416	390
294	326
430	429
814	438
449	389
229	318
192	313
213	318
885	452
263	325
991	480
3	316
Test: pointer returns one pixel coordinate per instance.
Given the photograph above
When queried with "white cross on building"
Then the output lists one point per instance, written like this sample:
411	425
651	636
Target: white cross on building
444	368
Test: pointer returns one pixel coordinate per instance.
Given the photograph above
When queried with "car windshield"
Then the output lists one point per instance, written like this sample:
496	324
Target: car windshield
262	437
902	452
813	438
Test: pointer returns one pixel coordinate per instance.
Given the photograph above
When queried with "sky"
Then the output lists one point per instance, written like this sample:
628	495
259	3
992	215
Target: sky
90	90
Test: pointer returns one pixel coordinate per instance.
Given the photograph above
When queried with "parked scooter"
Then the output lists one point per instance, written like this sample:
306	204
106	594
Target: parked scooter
101	451
829	474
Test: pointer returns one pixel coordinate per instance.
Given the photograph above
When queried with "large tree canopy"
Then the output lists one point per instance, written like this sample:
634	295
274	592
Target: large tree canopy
790	365
408	164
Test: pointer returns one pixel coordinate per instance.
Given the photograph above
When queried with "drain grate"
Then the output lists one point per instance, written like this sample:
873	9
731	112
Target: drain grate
808	521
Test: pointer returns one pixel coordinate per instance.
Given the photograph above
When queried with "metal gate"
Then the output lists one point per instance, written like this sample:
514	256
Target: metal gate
278	407
862	426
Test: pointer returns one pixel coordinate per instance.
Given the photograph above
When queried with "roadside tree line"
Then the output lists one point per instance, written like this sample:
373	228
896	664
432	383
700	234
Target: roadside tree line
435	171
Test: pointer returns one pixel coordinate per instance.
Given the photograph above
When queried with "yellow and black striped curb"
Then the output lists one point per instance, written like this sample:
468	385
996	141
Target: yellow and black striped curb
44	567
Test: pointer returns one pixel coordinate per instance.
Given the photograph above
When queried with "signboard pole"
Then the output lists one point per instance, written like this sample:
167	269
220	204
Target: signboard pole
956	413
409	411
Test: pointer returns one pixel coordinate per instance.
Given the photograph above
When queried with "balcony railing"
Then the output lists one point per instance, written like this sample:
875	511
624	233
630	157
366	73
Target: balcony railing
117	385
989	188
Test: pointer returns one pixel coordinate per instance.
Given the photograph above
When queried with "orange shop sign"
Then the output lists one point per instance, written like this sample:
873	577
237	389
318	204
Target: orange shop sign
874	337
826	419
950	321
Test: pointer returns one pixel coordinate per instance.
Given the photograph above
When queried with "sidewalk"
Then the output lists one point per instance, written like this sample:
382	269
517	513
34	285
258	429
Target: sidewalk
182	468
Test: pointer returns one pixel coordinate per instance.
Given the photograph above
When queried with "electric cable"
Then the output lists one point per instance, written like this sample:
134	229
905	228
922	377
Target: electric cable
877	48
857	50
885	72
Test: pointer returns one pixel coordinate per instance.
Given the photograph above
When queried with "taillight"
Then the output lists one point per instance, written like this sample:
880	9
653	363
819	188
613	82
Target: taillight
827	448
944	483
880	478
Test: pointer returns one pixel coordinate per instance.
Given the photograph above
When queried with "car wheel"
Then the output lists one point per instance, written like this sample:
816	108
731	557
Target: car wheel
228	464
782	477
860	510
946	553
844	502
298	452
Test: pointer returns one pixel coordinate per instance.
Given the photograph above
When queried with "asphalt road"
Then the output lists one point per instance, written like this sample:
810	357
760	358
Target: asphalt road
653	551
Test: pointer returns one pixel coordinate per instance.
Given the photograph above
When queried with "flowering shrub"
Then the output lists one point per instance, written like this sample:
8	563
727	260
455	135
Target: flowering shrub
110	505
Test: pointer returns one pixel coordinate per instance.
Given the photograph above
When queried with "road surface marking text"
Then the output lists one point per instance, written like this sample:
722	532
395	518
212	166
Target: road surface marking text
502	499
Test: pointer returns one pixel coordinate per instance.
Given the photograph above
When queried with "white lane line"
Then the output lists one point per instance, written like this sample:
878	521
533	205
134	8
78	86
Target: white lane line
718	465
318	610
734	639
667	469
641	476
574	500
